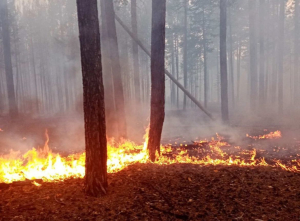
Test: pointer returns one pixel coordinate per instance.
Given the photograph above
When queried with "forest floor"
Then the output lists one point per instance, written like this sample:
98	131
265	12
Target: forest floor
163	192
169	192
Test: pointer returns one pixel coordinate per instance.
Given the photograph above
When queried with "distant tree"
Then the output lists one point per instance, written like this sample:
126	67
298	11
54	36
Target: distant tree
296	51
223	61
157	113
112	41
93	94
13	110
281	54
253	53
185	74
135	52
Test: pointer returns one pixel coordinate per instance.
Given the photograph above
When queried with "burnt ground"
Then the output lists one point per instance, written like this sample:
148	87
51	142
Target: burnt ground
173	192
154	192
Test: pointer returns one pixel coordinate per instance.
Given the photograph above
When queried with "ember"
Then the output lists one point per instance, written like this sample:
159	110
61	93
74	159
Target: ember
48	166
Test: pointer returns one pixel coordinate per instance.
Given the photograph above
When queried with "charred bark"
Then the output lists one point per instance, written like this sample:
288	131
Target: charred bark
157	114
93	94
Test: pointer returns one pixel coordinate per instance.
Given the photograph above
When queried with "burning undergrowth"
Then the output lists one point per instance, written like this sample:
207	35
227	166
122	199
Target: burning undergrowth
50	167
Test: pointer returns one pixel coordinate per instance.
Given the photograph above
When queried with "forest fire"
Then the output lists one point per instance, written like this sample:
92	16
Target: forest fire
50	167
271	135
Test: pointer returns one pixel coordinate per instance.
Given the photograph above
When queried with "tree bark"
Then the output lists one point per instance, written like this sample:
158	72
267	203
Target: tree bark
93	94
223	61
116	68
157	114
13	109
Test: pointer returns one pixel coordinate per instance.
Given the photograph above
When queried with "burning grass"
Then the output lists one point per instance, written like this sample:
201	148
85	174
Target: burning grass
50	167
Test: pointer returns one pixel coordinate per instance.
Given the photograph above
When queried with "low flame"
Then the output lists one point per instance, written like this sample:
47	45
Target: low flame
271	135
51	167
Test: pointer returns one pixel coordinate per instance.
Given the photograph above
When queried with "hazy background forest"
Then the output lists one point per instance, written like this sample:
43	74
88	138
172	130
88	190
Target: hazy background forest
262	48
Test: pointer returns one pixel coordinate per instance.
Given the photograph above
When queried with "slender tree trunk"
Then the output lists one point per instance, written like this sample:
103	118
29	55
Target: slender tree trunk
116	68
135	52
110	110
238	70
253	53
157	76
262	53
93	94
280	55
296	52
223	61
177	70
185	77
206	77
13	109
231	65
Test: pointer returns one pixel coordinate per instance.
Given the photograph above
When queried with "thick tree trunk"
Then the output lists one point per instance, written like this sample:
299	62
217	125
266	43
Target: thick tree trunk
157	114
223	61
135	52
93	94
253	53
13	109
116	68
280	55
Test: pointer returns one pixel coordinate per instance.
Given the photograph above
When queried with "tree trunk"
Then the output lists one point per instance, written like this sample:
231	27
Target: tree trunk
223	61
253	53
116	68
296	53
206	77
280	55
13	110
93	95
110	110
185	52
231	60
262	53
135	52
157	76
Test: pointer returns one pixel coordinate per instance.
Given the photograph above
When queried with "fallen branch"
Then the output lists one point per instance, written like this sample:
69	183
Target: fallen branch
187	93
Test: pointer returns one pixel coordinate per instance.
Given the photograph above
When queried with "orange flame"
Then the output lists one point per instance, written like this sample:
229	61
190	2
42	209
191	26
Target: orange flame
51	167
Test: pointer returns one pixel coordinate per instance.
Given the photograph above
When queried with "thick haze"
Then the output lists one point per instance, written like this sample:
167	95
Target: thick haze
47	72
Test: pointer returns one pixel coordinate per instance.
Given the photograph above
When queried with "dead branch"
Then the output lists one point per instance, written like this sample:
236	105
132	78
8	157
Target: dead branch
187	93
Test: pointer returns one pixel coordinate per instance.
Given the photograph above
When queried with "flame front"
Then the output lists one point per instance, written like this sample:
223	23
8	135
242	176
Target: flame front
50	167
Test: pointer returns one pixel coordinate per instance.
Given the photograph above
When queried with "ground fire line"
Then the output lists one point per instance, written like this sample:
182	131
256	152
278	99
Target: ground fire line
47	166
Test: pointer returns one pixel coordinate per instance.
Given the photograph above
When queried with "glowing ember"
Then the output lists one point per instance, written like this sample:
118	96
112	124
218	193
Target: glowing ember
271	135
46	165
